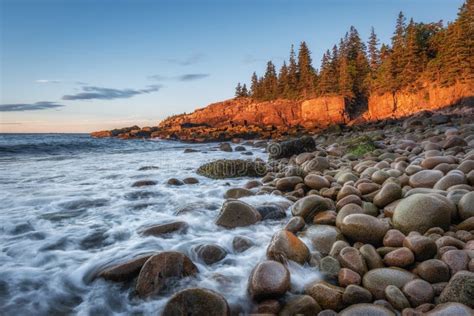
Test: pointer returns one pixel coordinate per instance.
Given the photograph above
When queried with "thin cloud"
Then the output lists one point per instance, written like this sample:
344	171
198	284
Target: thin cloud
99	93
49	81
184	77
191	60
43	81
21	107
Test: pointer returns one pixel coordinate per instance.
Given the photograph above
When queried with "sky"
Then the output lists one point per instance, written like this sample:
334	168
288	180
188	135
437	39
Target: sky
85	65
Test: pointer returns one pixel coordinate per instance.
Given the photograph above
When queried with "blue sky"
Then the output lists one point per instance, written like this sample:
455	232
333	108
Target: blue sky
84	65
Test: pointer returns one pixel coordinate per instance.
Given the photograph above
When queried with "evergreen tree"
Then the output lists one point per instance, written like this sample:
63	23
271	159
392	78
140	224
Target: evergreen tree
374	53
398	51
245	92
306	73
292	76
238	91
411	58
283	86
255	90
270	83
325	74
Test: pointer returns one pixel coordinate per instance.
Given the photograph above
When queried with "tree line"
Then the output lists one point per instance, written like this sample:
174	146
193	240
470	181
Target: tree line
418	52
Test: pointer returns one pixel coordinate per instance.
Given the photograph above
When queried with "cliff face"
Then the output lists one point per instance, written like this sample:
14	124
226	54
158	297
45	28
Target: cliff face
279	113
430	97
247	118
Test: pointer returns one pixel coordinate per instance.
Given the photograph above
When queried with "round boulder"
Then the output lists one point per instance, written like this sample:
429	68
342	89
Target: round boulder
364	228
286	246
269	279
310	205
196	301
236	213
420	212
378	279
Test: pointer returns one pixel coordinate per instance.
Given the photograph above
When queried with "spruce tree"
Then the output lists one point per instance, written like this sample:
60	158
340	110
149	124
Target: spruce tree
412	60
292	76
306	72
325	74
373	51
238	91
283	87
245	92
398	51
255	87
270	83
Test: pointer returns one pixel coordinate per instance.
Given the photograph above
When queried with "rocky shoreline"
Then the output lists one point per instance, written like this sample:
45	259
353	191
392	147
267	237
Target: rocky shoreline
388	210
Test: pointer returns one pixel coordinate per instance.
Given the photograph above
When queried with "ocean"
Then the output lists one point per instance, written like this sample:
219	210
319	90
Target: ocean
68	209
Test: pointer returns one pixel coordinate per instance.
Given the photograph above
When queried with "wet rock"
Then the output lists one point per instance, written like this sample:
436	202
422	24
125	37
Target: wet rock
190	150
289	148
466	206
347	277
423	247
316	182
210	253
364	228
396	297
459	289
457	309
271	211
328	296
454	141
196	301
165	229
389	193
425	178
225	147
288	183
300	305
271	307
325	218
323	237
401	257
147	168
253	184
125	271
354	294
366	309
142	183
174	181
295	224
240	148
241	243
269	279
236	213
237	193
330	267
419	212
433	271
418	292
310	205
190	180
351	258
161	270
286	246
378	279
226	168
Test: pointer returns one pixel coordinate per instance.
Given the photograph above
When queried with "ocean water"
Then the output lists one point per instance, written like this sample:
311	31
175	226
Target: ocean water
68	209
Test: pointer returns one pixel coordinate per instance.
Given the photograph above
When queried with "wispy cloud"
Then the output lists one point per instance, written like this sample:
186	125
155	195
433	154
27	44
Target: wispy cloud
191	77
91	93
21	107
55	81
191	60
184	77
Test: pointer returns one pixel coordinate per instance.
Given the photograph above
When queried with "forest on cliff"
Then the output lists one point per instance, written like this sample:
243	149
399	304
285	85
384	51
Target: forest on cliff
418	53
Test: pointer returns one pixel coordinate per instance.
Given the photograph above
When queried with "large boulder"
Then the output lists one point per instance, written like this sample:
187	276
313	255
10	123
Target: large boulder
300	305
269	279
124	271
236	213
289	148
466	206
198	302
286	246
226	168
425	178
328	296
420	212
308	206
323	237
365	309
161	269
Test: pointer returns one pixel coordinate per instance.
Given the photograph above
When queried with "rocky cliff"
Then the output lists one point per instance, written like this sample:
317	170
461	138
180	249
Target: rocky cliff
247	118
429	97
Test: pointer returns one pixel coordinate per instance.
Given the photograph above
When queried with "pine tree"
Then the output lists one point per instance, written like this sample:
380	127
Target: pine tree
374	53
270	82
411	58
283	87
398	51
345	78
245	92
306	72
255	90
238	91
326	74
292	76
